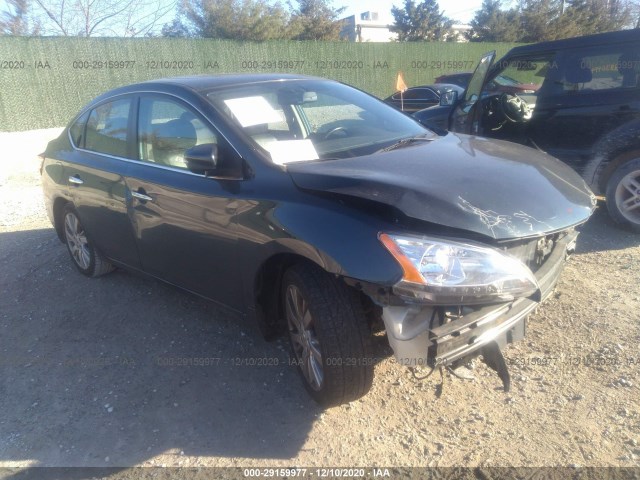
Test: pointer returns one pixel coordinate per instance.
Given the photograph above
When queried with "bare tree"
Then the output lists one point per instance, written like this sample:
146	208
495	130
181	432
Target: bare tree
16	19
88	18
635	11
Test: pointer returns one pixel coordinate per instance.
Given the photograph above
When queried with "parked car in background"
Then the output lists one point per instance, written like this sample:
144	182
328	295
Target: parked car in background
585	110
320	211
436	117
460	78
418	98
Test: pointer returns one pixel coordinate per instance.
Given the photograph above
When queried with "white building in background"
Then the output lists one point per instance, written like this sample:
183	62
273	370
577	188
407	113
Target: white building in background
460	32
370	27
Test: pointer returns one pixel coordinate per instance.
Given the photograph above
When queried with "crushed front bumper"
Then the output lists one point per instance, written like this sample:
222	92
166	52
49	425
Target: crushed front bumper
417	340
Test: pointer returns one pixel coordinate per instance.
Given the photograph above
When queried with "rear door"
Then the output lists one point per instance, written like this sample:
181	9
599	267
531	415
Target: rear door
95	172
183	222
595	91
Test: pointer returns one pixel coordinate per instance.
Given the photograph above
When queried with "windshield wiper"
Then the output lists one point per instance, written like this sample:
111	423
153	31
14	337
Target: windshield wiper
406	142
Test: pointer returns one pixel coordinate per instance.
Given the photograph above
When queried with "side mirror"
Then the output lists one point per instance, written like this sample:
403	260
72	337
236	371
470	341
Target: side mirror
448	98
202	159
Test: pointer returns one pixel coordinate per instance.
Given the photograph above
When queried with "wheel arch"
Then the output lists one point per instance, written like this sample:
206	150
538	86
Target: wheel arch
611	151
610	167
266	291
58	220
265	286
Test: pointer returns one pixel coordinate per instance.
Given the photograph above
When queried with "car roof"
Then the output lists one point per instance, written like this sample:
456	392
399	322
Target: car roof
199	84
207	82
203	83
622	36
440	86
456	74
436	86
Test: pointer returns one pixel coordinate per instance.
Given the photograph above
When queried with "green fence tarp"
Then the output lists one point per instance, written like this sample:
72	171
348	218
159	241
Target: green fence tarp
44	81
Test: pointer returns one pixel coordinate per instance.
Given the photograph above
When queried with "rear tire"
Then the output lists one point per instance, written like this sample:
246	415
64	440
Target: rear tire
87	259
623	195
329	335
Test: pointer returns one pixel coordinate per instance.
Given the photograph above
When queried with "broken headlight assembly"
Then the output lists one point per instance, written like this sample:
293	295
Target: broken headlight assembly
448	272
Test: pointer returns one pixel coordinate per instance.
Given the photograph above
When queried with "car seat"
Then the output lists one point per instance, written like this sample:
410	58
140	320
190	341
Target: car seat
577	72
629	68
171	140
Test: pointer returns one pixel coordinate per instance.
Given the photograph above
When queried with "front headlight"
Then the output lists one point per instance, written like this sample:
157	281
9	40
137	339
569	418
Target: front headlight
455	273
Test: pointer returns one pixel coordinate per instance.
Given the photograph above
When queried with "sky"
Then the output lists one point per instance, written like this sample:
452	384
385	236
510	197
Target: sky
460	10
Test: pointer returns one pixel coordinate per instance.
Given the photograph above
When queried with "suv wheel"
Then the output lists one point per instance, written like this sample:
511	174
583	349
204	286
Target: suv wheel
84	255
623	195
329	335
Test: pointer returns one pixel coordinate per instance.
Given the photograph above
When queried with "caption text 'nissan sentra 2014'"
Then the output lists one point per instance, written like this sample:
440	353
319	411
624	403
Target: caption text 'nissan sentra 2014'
316	209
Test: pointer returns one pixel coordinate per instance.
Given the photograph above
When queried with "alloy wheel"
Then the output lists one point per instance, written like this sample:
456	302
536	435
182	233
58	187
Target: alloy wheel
627	197
77	241
303	337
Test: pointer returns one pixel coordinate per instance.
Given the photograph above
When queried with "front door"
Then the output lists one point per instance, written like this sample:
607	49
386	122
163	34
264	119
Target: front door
184	222
463	117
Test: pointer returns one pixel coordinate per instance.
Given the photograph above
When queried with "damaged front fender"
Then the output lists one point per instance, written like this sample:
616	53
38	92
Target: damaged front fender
428	335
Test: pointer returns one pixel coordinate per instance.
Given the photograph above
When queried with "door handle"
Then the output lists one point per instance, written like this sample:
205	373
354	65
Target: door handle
142	196
75	180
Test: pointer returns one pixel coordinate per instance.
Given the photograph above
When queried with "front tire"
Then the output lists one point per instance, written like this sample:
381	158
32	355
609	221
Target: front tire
87	259
329	335
623	195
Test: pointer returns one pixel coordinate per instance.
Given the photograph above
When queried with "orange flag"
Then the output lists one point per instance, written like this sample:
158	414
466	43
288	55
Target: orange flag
400	85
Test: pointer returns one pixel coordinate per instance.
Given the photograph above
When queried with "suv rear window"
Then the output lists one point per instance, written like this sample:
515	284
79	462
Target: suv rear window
601	68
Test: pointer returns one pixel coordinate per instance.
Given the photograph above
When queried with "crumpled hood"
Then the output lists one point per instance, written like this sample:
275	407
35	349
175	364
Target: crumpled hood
490	187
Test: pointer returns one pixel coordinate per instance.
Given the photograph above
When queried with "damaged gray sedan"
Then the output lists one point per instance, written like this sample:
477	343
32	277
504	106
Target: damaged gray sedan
320	212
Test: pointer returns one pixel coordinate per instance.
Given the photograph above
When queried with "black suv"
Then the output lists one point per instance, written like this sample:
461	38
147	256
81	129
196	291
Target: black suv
585	110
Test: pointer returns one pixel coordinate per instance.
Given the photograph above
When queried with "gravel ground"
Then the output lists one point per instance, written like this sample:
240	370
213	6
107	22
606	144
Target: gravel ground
90	372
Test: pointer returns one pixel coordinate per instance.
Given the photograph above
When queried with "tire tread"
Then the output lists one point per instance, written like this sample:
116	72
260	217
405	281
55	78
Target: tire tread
343	331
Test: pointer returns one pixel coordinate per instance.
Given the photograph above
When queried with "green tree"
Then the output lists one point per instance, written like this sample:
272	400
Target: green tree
420	22
541	20
316	20
596	16
538	20
492	24
254	20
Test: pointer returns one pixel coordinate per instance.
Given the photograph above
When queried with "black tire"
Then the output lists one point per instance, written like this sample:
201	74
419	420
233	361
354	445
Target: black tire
87	259
623	191
337	326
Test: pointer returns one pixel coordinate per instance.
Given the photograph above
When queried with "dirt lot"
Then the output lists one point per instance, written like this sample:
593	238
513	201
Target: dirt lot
90	372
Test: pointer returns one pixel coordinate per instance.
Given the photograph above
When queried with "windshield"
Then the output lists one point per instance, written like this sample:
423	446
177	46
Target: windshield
305	120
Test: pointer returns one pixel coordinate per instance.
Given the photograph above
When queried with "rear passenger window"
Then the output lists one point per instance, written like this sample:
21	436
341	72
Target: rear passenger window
602	69
167	129
77	131
106	130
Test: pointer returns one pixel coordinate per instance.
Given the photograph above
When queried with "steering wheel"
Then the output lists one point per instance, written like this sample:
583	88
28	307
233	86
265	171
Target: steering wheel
341	130
514	109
